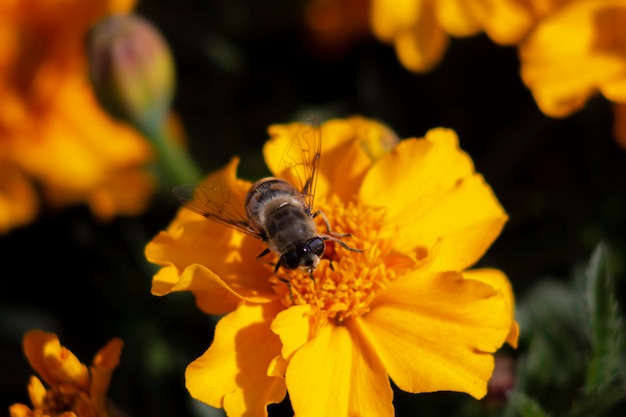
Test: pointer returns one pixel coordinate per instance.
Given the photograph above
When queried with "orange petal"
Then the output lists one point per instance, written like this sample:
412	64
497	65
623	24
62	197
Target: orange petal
619	124
498	280
18	198
78	146
437	332
422	47
36	392
54	363
212	261
460	18
336	374
505	21
433	196
20	410
213	296
233	373
216	262
574	52
104	363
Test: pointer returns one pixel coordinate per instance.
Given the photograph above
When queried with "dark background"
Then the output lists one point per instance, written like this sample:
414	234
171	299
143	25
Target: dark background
243	65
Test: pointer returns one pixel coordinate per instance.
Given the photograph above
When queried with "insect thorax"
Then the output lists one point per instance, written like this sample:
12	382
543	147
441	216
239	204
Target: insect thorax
275	206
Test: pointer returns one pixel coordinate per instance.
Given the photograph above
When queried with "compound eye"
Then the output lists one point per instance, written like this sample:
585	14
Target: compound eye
317	246
290	260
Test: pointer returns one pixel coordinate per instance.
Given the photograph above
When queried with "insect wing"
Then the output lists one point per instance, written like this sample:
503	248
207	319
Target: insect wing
217	204
301	159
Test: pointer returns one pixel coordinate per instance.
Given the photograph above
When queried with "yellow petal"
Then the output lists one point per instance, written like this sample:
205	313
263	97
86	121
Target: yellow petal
422	166
498	280
574	52
348	148
336	374
465	222
433	196
233	373
437	332
295	326
389	18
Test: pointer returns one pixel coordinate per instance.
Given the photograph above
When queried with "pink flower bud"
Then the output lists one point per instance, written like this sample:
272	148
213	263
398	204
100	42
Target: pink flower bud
132	70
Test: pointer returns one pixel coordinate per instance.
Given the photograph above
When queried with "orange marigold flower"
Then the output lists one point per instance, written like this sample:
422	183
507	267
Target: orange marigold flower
406	307
574	53
619	124
420	29
73	389
336	24
51	127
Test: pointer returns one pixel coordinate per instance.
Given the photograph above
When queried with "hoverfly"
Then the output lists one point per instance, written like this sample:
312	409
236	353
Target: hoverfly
277	211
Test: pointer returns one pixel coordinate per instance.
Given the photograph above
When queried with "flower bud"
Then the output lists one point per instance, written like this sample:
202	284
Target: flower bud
132	70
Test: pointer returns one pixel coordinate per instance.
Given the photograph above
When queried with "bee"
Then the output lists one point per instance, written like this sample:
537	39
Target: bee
274	210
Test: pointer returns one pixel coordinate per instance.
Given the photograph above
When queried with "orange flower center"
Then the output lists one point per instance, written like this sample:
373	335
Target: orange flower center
345	282
66	399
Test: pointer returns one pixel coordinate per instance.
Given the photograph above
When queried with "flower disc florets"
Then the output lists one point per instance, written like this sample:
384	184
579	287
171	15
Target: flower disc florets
346	281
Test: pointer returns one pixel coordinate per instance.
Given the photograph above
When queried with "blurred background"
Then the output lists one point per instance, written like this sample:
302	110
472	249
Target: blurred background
242	65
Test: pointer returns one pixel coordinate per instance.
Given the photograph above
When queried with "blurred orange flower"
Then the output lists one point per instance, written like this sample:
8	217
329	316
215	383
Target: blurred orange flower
405	307
73	390
420	29
574	53
337	24
52	130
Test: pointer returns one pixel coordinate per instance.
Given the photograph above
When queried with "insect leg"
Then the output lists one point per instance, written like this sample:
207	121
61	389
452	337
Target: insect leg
341	242
334	236
285	280
330	263
330	232
262	254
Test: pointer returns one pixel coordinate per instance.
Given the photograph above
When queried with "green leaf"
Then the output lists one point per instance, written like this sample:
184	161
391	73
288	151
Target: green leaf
596	404
605	324
525	406
555	345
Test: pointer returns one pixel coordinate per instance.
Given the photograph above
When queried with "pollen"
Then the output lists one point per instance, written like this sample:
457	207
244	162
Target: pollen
346	281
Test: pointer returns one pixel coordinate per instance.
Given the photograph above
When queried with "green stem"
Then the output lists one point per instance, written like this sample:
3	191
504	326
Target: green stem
178	166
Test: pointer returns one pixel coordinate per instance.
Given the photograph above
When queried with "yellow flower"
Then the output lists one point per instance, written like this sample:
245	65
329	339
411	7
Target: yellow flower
73	389
575	52
406	307
51	127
